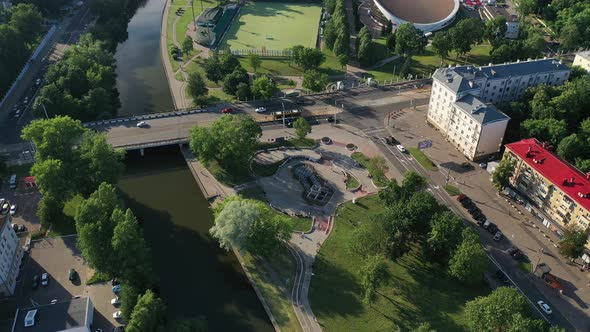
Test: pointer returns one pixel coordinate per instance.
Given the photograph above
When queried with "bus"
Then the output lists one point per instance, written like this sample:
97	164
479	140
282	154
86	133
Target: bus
288	114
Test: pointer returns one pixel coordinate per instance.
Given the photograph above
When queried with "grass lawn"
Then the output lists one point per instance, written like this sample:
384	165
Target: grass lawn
351	182
423	159
274	278
283	67
525	266
274	26
452	190
416	291
363	160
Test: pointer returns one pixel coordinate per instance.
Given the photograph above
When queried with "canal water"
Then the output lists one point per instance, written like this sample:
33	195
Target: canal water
196	276
141	77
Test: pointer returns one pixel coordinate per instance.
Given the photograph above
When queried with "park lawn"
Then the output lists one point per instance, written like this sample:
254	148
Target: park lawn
274	278
363	160
351	182
273	26
423	159
217	95
416	291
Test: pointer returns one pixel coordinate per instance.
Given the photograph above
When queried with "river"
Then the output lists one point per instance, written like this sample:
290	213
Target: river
195	276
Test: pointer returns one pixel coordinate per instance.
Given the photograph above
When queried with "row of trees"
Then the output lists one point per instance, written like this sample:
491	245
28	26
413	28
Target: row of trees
570	19
82	85
70	160
20	31
336	32
364	42
558	115
412	215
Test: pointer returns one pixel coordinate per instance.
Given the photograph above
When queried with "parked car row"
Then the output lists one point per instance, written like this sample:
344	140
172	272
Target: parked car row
479	217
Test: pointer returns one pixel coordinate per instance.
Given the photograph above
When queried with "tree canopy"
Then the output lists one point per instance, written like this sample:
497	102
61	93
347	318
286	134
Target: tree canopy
230	140
308	58
264	87
302	128
409	39
148	313
315	81
573	242
372	274
503	173
469	261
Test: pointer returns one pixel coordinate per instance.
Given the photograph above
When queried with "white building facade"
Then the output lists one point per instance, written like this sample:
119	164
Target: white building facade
462	98
10	257
582	59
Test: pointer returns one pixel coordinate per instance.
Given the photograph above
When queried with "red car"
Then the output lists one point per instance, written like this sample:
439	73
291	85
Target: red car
227	110
461	197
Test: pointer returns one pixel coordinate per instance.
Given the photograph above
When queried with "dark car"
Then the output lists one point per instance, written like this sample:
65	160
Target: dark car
227	110
481	219
330	119
471	209
502	276
517	254
492	228
35	282
72	274
461	197
289	123
466	202
476	214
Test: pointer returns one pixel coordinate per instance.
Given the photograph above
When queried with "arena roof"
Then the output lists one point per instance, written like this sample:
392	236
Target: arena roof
419	11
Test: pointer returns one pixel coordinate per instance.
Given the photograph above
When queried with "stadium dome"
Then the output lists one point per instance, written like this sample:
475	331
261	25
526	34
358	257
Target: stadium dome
426	15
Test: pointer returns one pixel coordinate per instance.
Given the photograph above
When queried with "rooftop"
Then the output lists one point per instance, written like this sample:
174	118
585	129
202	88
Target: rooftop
563	175
459	78
479	111
494	12
55	317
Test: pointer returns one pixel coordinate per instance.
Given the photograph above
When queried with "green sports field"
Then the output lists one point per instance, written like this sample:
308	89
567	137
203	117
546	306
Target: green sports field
274	26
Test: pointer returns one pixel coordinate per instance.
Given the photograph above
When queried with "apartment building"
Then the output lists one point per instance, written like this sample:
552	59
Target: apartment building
11	254
555	190
466	95
582	59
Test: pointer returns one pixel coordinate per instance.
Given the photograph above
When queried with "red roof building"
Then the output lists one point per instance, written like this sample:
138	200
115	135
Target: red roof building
550	183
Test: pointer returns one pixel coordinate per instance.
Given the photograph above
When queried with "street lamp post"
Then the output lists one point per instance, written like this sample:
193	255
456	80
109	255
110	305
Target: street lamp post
45	110
283	104
193	10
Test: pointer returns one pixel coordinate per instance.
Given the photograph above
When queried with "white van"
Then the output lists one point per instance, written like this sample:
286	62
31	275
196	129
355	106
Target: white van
401	148
13	181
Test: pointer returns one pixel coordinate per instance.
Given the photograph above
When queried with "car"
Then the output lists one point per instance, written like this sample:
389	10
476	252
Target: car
142	124
467	203
115	282
260	110
26	101
518	255
117	314
511	250
15	227
2	201
44	279
17	114
476	214
498	236
492	228
486	224
13	209
483	165
502	276
5	208
35	282
72	274
289	123
545	307
38	81
116	289
461	197
21	228
116	301
330	119
227	110
401	148
481	219
472	208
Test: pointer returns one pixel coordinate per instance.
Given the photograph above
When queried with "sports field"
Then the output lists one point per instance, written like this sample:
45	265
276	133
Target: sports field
274	26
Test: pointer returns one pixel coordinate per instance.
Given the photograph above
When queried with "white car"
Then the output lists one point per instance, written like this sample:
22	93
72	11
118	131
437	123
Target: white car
142	124
483	165
401	148
117	315
260	110
545	307
44	279
116	301
13	209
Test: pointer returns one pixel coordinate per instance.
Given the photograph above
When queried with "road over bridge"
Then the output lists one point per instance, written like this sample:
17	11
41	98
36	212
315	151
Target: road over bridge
348	107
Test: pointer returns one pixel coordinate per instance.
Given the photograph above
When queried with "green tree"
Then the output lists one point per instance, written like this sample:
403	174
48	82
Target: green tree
263	87
254	61
147	314
441	44
307	57
468	262
196	324
573	241
128	296
315	81
372	274
465	34
526	7
219	142
377	167
243	91
549	129
302	128
495	30
229	63
26	19
370	238
187	45
364	42
128	238
231	81
213	68
409	39
503	173
196	87
424	327
390	42
495	312
444	236
413	182
98	163
343	60
571	147
95	229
